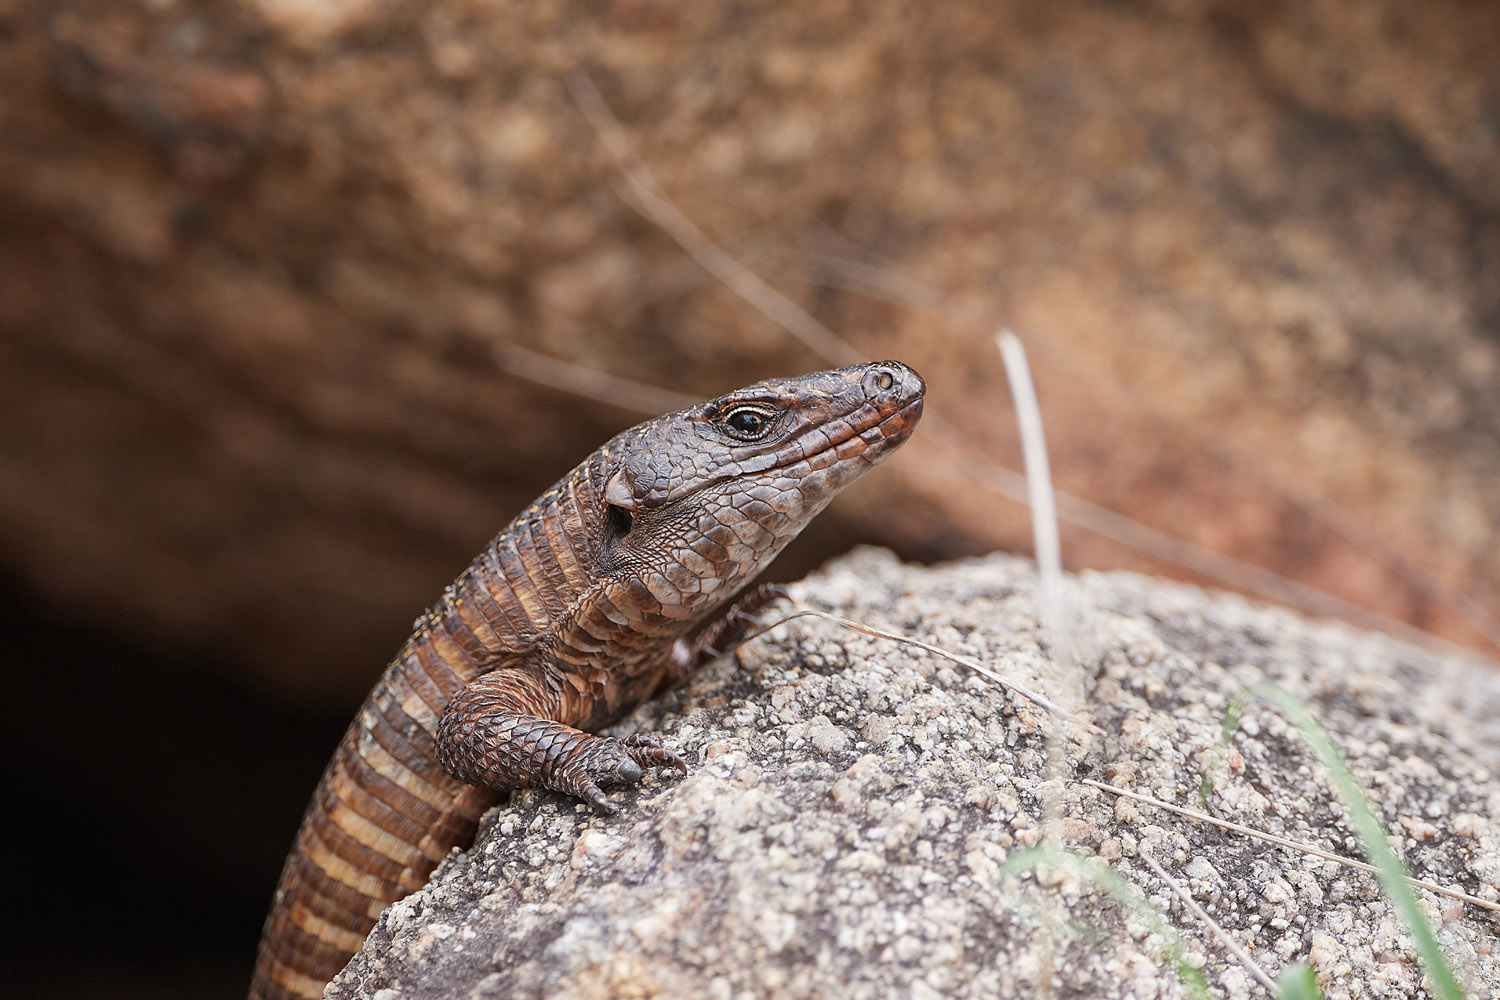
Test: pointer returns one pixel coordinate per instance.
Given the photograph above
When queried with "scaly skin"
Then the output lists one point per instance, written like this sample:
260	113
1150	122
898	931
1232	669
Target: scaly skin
574	613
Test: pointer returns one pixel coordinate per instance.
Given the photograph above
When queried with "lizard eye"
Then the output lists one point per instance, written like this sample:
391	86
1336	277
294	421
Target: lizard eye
748	423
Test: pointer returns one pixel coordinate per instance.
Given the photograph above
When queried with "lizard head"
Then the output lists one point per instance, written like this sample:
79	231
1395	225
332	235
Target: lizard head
739	476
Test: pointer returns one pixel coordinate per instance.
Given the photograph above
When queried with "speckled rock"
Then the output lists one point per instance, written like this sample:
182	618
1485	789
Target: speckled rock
851	803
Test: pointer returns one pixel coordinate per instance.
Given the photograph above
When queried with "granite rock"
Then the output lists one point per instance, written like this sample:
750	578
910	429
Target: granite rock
852	803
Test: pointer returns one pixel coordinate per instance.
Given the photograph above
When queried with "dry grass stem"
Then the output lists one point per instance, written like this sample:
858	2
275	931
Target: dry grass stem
962	661
644	195
576	380
1213	925
1289	844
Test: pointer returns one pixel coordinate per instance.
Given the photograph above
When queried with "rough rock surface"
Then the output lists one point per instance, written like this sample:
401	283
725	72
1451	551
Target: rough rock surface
851	802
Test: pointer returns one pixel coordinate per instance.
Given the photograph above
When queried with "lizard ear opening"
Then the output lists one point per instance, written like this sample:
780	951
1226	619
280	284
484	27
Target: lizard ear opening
620	521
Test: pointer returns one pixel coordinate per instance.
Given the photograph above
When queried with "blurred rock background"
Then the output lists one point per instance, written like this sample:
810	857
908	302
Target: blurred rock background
274	277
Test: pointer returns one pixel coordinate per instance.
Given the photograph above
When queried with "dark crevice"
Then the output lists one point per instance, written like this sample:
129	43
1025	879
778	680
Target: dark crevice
168	798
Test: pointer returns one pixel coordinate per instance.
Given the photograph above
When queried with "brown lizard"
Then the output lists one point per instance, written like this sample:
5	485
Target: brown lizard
578	610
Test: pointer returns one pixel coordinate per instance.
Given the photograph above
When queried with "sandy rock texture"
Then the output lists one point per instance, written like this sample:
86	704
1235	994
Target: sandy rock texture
265	265
851	803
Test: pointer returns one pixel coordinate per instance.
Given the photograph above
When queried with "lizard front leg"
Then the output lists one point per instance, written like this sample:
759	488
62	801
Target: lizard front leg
499	732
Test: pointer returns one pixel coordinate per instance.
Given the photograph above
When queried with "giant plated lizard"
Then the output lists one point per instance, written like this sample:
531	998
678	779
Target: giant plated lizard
583	606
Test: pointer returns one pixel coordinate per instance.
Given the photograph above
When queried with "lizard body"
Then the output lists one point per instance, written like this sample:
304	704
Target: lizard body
578	610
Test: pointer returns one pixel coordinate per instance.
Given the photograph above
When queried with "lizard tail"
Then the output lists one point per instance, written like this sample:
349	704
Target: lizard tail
383	816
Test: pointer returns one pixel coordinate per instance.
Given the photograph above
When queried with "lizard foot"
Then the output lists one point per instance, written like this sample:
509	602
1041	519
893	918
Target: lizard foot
606	760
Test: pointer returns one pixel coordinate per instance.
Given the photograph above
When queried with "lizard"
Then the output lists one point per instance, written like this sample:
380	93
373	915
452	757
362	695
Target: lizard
599	594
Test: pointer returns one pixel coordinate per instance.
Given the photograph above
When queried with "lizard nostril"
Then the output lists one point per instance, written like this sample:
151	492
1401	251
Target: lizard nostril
893	382
878	380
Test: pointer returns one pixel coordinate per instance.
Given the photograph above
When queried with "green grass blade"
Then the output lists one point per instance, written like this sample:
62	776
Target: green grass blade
1391	871
1298	982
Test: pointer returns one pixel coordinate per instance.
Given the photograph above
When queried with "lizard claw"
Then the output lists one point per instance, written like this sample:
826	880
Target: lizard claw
610	761
646	751
594	796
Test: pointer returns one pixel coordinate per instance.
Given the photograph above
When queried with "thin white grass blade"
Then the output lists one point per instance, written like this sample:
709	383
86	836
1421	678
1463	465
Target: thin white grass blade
1044	528
1038	468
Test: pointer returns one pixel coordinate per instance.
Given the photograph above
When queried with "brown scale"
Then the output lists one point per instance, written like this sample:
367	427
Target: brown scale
582	607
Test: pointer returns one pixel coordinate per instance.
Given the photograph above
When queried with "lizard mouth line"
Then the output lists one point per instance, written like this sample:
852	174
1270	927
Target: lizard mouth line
872	439
909	411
